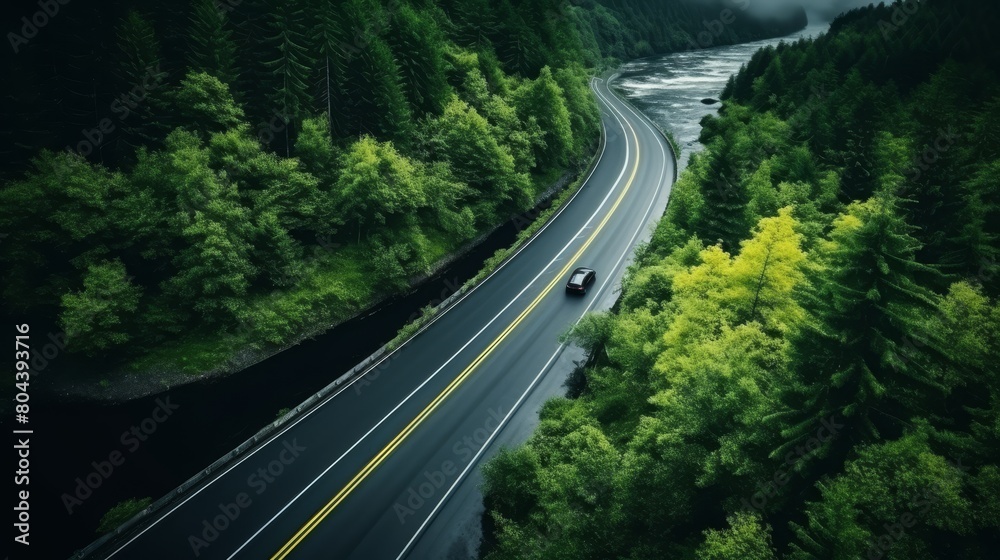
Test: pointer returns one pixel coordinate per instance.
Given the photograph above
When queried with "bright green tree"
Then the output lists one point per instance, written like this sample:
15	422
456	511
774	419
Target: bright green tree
542	99
378	187
204	104
465	140
747	537
100	316
214	268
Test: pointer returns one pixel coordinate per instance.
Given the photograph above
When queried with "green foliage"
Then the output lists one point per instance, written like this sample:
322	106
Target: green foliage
418	45
542	100
745	538
865	305
204	103
807	342
99	317
378	186
465	140
591	333
288	68
212	48
315	149
122	512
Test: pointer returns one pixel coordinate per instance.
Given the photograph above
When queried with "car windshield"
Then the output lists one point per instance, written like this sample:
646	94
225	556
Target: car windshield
578	278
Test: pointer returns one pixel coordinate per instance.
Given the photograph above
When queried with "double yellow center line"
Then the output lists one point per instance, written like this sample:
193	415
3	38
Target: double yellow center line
318	518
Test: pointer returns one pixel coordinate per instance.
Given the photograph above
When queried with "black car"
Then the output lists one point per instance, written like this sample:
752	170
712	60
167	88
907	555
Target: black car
579	280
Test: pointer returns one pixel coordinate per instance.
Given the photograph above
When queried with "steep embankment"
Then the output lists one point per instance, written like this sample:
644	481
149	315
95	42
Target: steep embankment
803	362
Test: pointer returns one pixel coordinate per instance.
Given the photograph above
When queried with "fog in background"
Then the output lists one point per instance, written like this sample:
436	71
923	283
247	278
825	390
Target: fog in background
817	10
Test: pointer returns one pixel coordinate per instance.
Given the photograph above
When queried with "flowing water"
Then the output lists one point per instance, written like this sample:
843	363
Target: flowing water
670	88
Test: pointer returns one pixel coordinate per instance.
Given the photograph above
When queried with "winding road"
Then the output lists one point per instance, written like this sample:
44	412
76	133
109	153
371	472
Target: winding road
386	467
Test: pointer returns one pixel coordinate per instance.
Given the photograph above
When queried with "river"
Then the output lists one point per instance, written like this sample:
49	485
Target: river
669	88
75	440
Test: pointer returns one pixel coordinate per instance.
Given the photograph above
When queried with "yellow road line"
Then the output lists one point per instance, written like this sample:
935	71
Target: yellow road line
318	518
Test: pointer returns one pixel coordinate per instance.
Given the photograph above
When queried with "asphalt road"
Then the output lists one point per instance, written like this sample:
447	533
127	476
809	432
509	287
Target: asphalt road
386	467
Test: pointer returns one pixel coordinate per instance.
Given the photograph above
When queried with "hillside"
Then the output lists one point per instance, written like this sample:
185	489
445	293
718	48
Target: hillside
187	180
802	364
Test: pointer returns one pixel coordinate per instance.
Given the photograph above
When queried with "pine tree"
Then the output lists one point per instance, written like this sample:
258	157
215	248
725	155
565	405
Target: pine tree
418	46
863	354
336	44
289	65
140	76
723	215
386	114
212	48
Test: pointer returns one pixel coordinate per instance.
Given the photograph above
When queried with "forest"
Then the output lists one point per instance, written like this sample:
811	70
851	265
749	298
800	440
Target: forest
187	179
802	363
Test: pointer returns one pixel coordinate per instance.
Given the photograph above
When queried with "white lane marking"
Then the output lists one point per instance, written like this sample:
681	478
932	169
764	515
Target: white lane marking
548	364
453	356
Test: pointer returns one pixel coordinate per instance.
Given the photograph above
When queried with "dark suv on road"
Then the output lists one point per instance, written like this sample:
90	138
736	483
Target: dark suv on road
579	280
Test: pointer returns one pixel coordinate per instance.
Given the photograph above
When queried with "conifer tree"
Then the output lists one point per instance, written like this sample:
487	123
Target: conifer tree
723	215
140	75
212	49
289	66
855	355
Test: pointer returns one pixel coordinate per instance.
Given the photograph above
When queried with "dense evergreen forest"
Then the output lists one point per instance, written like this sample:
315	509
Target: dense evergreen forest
222	174
803	361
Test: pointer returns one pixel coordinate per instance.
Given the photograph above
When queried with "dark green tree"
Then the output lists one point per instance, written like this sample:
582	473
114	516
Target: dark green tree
140	78
864	356
722	217
289	66
418	45
212	49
